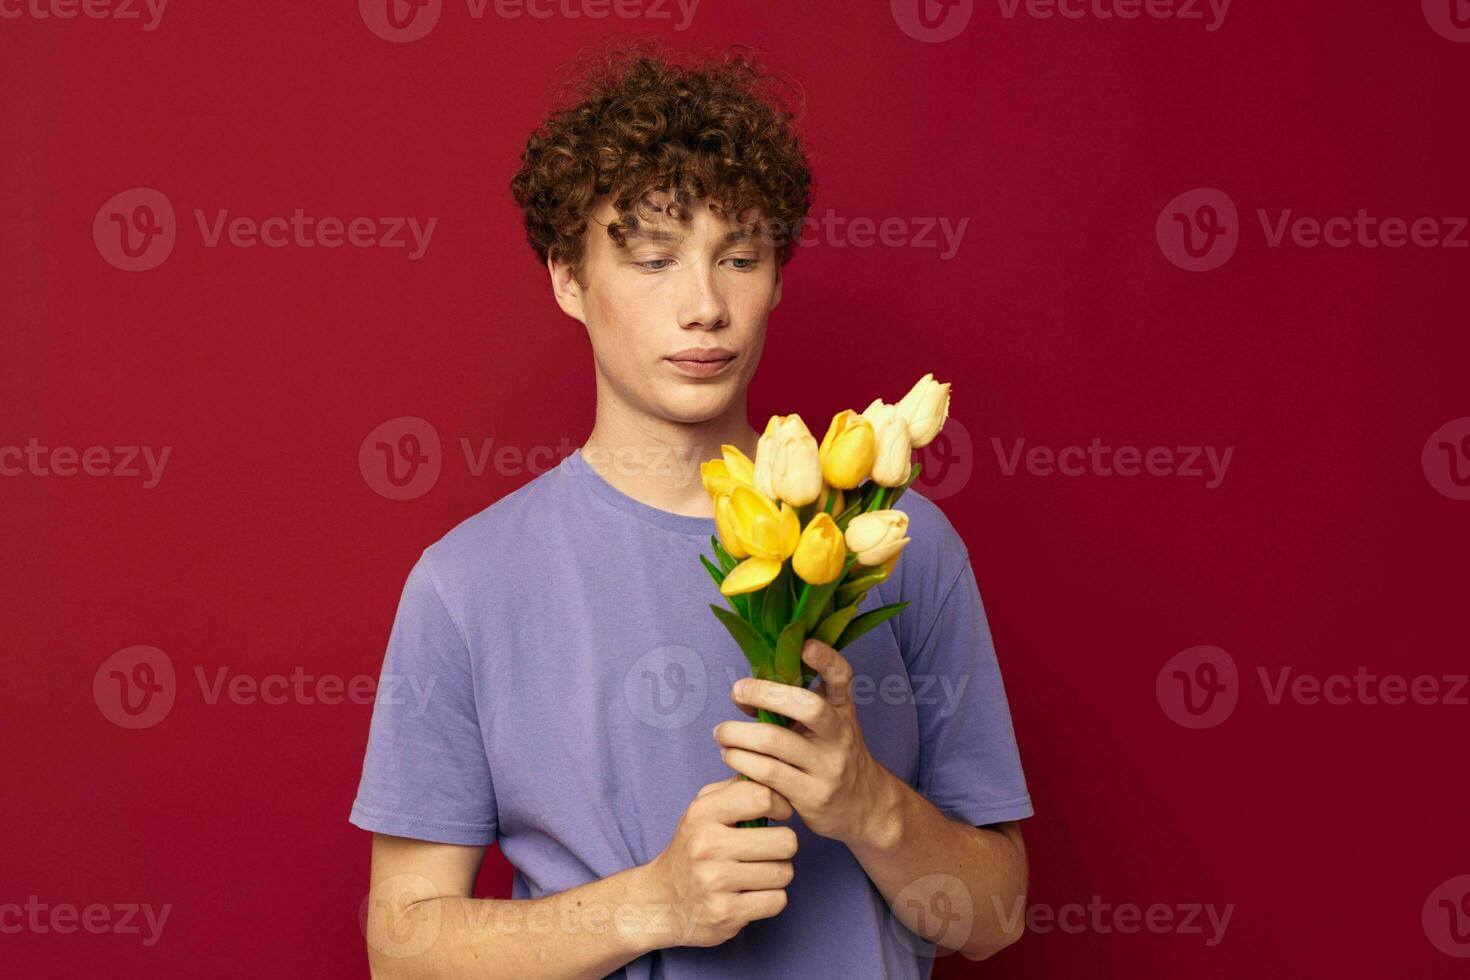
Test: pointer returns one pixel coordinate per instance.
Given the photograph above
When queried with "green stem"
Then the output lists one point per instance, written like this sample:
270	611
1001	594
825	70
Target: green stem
806	588
878	499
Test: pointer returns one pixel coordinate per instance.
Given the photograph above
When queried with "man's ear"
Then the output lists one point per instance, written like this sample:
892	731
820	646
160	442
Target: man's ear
564	287
777	297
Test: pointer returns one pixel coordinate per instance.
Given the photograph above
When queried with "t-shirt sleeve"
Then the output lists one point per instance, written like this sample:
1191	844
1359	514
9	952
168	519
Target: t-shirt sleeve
425	774
969	766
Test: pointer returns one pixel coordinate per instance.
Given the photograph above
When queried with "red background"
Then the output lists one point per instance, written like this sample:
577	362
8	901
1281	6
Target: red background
263	549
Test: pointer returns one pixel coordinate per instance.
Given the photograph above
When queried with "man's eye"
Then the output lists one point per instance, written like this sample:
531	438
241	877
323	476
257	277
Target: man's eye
749	263
650	264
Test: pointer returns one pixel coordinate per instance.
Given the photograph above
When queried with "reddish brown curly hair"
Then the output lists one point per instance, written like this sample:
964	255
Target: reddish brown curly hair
719	130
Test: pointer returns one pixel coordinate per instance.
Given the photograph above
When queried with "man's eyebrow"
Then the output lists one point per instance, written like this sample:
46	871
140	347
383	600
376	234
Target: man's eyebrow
658	235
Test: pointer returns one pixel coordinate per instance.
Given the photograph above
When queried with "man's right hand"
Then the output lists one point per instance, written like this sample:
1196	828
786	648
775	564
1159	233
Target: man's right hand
718	876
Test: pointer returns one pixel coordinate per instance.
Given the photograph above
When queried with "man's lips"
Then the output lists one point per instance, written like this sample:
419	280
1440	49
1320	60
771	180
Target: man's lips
702	356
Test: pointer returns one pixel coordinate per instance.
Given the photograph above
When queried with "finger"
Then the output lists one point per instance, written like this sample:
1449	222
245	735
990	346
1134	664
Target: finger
808	707
743	800
718	784
747	708
772	740
758	843
786	780
835	669
744	876
761	904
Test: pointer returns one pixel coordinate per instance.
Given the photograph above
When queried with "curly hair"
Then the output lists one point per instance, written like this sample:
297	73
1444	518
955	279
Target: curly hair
720	130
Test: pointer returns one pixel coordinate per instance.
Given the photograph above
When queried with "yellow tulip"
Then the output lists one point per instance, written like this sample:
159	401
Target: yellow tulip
763	530
925	409
738	465
750	575
877	535
892	459
725	526
821	552
715	475
847	450
788	465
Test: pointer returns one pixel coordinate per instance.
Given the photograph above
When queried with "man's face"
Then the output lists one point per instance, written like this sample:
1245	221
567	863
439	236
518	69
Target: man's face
678	290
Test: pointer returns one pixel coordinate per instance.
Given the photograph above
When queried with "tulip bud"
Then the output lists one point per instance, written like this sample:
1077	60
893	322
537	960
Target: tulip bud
765	453
877	535
738	465
892	459
725	527
847	450
821	553
715	475
925	409
761	528
787	462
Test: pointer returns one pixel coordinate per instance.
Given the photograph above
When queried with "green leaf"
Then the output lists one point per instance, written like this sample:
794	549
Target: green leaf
848	513
727	561
867	621
714	572
834	624
788	652
757	651
755	608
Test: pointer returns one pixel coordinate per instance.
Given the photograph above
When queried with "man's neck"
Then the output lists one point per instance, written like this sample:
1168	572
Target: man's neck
656	461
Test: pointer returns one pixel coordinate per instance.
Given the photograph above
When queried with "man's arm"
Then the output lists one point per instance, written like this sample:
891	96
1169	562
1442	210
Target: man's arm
920	860
422	923
708	883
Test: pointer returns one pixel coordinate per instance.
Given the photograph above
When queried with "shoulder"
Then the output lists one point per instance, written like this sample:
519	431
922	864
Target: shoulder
480	547
931	564
934	542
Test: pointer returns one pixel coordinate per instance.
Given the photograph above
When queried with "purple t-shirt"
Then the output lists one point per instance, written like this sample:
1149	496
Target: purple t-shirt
568	673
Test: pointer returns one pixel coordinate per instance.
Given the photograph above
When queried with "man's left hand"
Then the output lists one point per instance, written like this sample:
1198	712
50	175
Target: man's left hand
821	763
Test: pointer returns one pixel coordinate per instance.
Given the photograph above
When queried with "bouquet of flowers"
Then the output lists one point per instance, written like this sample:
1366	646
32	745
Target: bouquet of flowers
805	530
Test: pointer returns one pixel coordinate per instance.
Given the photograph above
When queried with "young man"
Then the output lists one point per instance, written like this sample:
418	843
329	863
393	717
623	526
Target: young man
584	713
